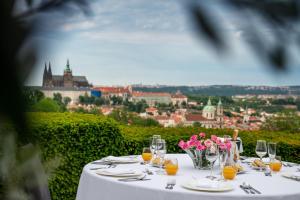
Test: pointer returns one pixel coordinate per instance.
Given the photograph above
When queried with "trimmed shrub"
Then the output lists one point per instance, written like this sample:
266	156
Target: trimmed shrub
78	139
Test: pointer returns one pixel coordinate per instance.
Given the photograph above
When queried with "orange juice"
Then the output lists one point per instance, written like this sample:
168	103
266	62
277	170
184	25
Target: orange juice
147	156
229	172
171	168
275	166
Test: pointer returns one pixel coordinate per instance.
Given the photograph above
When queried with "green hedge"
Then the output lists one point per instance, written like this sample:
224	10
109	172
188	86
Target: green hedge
78	139
138	137
82	138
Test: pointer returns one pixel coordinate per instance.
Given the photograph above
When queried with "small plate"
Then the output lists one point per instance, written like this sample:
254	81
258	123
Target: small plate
192	185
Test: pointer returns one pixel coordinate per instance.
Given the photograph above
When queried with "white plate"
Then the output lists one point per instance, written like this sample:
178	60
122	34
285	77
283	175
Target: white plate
108	173
192	185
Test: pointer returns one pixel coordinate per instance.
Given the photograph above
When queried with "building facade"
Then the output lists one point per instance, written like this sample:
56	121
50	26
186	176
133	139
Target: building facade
151	98
67	80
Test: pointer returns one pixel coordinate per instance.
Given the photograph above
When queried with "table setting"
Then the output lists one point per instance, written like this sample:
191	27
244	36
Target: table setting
211	168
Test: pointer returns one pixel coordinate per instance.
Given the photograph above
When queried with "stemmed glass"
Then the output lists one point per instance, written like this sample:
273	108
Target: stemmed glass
153	144
211	154
223	155
272	150
261	149
161	150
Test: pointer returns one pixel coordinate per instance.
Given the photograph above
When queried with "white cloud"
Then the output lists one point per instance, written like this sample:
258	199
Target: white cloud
84	25
160	38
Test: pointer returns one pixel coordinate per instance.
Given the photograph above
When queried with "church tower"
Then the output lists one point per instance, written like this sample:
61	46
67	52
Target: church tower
68	77
220	114
45	74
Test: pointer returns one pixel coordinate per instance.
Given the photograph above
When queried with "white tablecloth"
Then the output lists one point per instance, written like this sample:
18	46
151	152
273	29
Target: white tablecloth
97	187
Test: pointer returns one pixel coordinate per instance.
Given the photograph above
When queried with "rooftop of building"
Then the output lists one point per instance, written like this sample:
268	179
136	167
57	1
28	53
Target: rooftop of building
149	94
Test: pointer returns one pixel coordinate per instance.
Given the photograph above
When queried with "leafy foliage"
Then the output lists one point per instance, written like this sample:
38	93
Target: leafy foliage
46	105
77	139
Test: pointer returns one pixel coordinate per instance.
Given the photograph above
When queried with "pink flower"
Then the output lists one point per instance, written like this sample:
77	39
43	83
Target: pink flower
202	135
191	143
200	147
181	144
194	137
218	142
214	138
222	146
228	145
207	143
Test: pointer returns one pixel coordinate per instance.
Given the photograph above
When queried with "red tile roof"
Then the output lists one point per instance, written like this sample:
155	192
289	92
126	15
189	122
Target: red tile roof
112	89
195	117
143	94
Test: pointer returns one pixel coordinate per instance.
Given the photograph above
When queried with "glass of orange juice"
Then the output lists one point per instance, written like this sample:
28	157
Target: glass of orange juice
171	166
229	172
146	155
275	164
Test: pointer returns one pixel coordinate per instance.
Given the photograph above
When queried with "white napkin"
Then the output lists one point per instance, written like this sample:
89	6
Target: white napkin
116	159
114	171
207	183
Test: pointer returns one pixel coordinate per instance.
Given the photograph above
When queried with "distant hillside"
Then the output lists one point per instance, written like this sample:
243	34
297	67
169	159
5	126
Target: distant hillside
221	90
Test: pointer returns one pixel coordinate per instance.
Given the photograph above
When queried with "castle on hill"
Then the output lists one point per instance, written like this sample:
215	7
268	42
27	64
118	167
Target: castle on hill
67	80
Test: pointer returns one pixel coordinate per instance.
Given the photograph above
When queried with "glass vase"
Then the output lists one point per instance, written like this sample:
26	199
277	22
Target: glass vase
198	158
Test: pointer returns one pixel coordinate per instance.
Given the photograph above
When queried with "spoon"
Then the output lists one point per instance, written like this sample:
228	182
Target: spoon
251	188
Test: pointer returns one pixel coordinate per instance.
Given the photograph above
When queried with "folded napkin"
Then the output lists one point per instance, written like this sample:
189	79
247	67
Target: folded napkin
116	159
207	183
114	171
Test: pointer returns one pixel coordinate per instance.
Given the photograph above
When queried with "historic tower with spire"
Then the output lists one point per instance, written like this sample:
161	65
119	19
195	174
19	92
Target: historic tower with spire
219	116
68	77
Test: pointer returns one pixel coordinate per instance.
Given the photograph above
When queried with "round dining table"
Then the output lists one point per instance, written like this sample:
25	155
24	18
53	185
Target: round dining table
97	187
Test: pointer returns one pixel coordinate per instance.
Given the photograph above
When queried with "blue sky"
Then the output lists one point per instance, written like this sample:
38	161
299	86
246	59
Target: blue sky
149	42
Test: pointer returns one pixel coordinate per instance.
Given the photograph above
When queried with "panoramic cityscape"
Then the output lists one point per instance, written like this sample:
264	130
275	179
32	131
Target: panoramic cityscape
151	100
216	106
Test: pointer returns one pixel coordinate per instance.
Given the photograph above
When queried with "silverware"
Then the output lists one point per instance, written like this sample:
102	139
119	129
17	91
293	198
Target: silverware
245	190
246	186
252	188
268	173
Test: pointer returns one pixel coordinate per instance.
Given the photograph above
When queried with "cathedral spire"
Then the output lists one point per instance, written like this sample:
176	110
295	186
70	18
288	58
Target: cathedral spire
68	66
49	69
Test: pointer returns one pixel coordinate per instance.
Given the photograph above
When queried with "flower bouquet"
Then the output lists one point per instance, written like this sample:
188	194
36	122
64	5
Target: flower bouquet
196	146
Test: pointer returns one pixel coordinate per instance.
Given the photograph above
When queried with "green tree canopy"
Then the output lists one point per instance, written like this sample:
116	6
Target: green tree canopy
46	105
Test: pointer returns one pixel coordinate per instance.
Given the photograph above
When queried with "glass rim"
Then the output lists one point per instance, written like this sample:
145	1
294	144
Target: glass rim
261	140
272	143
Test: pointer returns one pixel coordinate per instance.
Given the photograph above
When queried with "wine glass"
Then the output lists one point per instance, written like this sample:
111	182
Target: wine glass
272	150
153	141
161	150
261	149
223	156
211	154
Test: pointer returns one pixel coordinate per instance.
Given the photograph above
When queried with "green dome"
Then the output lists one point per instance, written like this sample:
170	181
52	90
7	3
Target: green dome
209	107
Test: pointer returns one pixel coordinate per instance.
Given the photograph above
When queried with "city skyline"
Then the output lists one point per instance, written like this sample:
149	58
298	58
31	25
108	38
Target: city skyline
136	42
